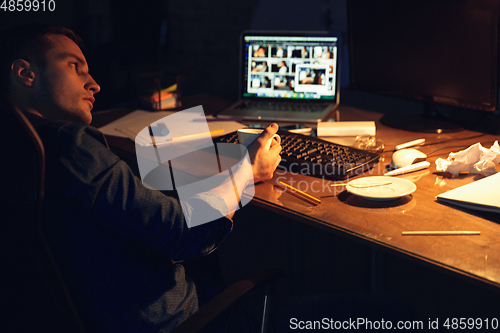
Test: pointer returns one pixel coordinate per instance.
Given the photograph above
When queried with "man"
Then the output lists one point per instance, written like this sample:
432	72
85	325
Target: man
120	245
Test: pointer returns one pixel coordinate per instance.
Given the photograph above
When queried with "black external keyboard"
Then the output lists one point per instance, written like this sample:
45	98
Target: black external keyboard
316	157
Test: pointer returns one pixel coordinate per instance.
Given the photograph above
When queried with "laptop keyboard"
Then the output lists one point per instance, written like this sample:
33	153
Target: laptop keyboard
312	156
282	106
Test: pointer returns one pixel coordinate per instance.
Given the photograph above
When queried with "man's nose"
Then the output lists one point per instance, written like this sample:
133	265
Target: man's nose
92	85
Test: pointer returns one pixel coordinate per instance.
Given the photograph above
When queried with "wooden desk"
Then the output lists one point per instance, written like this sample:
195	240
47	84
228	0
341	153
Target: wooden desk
380	224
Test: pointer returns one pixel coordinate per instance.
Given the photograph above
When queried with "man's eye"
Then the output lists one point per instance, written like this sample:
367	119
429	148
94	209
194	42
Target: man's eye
73	65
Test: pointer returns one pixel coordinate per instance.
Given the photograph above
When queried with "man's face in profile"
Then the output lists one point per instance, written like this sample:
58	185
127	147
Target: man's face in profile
65	88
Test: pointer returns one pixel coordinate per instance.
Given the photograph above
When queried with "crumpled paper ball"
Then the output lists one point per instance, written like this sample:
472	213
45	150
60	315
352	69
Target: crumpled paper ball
475	159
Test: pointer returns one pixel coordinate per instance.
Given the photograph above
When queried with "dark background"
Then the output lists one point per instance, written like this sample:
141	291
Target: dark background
201	43
200	39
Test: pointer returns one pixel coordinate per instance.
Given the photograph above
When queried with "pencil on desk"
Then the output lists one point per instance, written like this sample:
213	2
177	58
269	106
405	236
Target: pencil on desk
310	197
364	185
440	233
189	136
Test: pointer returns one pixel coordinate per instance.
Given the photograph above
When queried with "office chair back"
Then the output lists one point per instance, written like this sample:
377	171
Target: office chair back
33	296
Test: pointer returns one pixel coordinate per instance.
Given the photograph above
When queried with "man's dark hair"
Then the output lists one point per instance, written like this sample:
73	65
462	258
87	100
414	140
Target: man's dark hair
28	42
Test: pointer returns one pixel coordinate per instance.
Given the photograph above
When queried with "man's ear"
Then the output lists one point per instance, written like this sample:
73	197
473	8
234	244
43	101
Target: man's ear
23	72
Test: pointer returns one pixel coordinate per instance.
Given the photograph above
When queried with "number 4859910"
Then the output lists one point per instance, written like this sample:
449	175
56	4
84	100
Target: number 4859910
28	5
471	323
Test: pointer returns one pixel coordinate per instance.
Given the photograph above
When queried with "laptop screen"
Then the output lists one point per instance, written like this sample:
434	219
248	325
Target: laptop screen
290	66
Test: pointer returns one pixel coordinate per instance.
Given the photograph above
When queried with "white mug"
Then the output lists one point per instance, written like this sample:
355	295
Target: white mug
247	135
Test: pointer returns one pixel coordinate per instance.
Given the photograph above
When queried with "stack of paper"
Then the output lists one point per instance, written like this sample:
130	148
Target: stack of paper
481	194
346	128
167	126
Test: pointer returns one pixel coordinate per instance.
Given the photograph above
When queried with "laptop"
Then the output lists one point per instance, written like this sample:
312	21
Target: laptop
287	77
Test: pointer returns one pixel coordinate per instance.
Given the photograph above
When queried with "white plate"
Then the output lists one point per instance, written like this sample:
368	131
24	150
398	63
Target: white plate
380	188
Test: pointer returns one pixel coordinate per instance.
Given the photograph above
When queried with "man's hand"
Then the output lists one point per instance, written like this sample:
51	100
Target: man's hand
264	162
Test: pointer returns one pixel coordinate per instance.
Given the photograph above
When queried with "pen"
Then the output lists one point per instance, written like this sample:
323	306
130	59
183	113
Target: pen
409	168
409	144
439	233
307	196
189	136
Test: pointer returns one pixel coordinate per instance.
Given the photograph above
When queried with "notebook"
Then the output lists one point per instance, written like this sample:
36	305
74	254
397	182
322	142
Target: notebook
481	195
288	77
